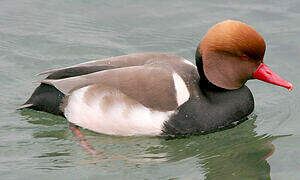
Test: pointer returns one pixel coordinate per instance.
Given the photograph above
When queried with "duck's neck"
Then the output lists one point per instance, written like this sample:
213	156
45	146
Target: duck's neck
199	64
221	69
204	82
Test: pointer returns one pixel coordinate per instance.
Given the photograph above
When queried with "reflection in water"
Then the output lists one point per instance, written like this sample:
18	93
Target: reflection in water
231	154
52	136
48	120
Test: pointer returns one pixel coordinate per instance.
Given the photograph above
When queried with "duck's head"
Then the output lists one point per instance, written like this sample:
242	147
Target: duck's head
232	53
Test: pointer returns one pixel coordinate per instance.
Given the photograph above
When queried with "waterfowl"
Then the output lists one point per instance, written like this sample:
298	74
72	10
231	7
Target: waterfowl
162	94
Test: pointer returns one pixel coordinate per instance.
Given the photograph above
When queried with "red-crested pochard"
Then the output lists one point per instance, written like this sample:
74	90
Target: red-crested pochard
162	94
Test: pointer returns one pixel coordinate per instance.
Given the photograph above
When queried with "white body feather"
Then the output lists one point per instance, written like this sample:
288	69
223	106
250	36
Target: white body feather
120	118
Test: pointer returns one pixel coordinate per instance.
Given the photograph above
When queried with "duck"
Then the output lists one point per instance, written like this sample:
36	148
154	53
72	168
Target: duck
156	94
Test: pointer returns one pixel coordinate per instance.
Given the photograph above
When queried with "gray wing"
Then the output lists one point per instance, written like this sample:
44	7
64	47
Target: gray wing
121	61
151	86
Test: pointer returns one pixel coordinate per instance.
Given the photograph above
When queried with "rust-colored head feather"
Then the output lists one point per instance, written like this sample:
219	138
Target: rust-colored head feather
234	37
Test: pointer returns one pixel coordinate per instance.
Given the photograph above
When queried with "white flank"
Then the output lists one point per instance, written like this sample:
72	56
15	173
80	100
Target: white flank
182	92
189	62
121	117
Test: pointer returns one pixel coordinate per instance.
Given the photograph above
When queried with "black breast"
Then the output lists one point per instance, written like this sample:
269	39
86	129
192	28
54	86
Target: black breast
210	110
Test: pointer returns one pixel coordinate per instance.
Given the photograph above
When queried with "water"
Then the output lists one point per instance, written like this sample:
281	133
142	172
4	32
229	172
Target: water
40	35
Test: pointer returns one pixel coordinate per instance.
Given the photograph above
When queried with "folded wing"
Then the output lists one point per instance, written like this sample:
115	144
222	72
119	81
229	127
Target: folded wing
152	86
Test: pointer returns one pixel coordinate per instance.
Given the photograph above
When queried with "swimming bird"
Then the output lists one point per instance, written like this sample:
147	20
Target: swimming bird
162	94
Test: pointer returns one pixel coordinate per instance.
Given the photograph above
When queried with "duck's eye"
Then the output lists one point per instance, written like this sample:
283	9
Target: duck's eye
245	56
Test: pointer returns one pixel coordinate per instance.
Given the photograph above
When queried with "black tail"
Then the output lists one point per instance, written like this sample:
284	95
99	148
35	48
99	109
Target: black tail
47	98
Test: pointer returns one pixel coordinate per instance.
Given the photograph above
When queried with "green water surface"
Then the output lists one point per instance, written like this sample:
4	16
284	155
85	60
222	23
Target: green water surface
37	35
